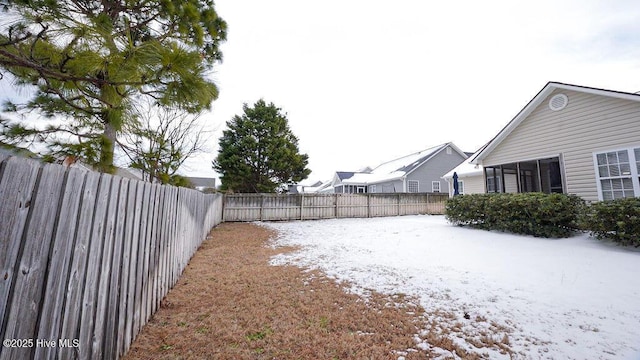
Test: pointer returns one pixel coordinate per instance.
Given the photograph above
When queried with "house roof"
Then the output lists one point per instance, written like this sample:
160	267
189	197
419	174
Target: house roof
202	182
466	168
397	168
535	102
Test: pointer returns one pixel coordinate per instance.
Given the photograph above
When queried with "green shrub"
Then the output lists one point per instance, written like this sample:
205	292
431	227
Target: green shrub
537	214
617	220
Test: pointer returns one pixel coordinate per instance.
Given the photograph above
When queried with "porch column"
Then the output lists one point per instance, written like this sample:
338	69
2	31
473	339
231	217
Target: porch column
518	181
539	176
504	188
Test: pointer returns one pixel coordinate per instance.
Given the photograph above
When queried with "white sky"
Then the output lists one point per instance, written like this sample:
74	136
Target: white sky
367	81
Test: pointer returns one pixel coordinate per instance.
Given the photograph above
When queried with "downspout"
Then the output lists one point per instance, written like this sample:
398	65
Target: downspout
404	184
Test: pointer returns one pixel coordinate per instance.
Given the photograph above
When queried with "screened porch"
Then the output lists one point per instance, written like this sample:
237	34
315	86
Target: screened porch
541	175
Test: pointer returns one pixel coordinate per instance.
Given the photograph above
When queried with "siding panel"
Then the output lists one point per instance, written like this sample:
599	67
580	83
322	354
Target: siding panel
589	123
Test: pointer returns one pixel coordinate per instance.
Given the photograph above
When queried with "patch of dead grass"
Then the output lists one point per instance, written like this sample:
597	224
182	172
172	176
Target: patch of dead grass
231	304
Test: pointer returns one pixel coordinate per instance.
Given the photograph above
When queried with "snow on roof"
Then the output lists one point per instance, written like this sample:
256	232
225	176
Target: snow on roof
391	170
465	169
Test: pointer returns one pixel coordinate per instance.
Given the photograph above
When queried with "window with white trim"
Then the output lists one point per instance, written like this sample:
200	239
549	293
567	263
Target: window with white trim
460	187
435	186
617	173
413	186
372	188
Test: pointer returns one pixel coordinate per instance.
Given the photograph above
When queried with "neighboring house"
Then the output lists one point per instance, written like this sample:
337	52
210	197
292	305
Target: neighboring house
202	183
417	172
568	139
470	179
317	187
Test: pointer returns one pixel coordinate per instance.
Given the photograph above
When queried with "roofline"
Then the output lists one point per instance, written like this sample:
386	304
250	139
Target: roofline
442	147
537	100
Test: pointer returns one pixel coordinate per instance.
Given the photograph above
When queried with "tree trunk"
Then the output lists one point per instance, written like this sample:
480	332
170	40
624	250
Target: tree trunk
107	146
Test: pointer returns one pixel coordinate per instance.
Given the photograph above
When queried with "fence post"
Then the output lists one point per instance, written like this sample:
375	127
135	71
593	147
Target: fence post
368	205
301	206
398	204
261	206
335	198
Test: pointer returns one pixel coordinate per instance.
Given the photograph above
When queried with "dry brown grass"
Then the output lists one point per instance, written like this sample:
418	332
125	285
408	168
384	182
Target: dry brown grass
231	304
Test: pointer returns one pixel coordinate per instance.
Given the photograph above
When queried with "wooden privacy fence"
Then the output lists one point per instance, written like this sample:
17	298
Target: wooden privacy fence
85	258
265	207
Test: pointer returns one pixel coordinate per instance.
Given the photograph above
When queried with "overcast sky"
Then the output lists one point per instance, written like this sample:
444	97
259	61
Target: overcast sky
367	81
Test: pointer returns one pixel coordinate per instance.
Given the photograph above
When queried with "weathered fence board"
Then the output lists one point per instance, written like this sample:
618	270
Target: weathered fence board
27	292
85	258
78	272
58	269
16	187
269	207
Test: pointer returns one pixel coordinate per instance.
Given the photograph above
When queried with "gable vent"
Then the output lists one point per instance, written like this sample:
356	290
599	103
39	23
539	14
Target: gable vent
558	102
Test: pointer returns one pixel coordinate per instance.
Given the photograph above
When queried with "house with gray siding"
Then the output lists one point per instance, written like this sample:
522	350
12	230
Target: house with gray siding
418	172
568	139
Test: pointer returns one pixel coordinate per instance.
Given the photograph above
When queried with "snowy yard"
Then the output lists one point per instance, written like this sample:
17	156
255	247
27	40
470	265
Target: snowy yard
576	298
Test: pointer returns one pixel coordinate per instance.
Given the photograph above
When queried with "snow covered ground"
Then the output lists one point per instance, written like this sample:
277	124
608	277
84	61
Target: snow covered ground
576	298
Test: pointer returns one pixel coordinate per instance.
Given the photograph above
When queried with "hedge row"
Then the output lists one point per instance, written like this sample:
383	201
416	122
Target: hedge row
537	214
548	215
617	220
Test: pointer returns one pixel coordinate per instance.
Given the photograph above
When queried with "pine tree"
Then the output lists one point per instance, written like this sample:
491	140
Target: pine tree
89	61
258	152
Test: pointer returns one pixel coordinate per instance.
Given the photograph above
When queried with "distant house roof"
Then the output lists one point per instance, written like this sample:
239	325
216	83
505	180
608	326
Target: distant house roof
129	173
537	100
465	169
202	182
397	168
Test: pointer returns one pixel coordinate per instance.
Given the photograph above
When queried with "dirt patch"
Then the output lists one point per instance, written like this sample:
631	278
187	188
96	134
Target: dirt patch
231	304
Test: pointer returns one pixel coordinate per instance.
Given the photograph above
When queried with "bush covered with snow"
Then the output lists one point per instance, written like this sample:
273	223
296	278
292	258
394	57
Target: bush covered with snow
618	220
537	214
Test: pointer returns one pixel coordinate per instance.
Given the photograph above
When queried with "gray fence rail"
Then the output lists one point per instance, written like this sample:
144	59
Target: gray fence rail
268	207
86	258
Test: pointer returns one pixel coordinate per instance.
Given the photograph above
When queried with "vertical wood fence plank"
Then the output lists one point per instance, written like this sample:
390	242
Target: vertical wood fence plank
142	251
125	273
77	272
155	254
134	266
16	190
113	310
104	290
93	270
59	266
31	276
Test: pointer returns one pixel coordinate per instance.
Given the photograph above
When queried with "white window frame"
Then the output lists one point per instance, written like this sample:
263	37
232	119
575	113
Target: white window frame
361	189
372	188
416	185
433	187
634	163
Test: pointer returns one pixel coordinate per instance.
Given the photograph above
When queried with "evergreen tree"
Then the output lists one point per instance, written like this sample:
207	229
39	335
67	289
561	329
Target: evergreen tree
258	152
88	61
